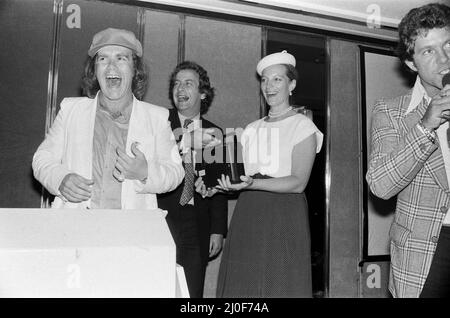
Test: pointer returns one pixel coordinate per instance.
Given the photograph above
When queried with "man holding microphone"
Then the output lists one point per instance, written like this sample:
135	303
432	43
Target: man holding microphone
410	158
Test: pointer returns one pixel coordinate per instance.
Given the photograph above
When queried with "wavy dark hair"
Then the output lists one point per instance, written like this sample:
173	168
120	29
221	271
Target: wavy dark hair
204	84
419	21
90	85
291	72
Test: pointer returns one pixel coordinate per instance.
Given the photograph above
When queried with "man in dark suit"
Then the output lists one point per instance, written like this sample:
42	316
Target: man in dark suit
198	224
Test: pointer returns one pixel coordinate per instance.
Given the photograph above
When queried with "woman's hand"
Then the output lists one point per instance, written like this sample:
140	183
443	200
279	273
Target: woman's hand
226	185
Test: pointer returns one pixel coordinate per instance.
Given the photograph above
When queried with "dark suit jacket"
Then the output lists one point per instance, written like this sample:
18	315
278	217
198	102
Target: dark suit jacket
212	213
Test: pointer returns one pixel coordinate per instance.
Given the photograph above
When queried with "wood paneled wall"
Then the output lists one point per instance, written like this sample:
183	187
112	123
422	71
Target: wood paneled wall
26	47
345	165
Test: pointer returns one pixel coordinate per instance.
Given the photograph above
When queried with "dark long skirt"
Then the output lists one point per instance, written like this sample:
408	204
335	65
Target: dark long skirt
267	250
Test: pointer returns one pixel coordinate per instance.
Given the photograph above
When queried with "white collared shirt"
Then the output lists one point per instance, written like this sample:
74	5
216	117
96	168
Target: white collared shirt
195	121
418	94
194	125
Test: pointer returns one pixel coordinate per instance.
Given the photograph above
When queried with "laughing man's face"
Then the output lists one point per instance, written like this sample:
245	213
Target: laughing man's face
114	68
186	94
431	58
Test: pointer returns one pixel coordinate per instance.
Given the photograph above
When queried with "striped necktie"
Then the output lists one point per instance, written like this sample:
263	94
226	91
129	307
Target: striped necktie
188	189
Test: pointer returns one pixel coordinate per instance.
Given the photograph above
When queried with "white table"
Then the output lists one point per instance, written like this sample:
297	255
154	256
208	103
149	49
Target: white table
87	253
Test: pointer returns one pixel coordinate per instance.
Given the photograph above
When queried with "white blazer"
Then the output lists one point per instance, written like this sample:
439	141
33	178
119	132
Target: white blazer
68	148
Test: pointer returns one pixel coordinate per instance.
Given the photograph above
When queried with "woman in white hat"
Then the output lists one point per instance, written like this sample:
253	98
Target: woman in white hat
267	252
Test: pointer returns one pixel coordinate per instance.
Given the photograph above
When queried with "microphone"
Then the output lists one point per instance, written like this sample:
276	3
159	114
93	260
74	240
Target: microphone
445	113
446	79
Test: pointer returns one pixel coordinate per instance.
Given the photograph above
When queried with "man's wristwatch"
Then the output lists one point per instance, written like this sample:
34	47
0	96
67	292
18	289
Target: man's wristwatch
429	133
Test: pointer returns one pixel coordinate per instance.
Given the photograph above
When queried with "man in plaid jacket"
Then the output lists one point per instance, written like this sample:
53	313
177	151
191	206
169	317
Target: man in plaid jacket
410	158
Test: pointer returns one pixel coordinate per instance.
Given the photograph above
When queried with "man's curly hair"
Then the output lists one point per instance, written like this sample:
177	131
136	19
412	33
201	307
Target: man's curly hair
417	22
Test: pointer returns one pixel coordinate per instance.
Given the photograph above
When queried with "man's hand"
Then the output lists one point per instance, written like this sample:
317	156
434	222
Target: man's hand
438	111
201	138
130	168
74	188
200	187
215	244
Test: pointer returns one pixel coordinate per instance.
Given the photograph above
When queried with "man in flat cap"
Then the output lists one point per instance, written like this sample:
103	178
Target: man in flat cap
110	150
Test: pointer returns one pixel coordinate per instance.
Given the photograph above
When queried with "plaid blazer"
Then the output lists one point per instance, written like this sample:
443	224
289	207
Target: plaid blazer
405	163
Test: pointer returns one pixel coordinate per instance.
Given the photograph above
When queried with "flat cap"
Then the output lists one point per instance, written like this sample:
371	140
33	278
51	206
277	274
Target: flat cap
113	36
276	58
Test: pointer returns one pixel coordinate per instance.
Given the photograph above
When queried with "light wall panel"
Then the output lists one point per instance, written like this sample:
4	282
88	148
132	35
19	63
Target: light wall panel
229	52
161	33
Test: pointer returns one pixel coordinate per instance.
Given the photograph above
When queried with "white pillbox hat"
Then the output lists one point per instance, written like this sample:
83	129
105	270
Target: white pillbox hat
276	58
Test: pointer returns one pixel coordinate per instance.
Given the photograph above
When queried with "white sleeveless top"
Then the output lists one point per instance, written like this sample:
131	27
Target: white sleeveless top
267	146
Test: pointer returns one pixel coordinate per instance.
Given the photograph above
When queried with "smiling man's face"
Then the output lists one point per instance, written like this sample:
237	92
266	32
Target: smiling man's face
186	94
114	69
432	58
